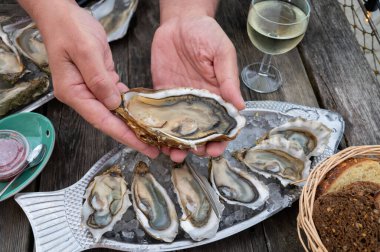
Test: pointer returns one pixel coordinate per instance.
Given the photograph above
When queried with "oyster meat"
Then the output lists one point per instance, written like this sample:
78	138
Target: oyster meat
11	67
106	200
236	186
181	118
277	157
29	42
114	15
311	135
195	198
154	209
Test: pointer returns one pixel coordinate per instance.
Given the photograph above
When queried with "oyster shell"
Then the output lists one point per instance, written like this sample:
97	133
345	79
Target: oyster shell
181	118
106	200
11	66
28	42
198	219
277	157
22	93
236	186
311	135
154	209
114	15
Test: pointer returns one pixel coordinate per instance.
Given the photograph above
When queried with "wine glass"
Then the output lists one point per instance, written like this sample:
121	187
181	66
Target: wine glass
274	27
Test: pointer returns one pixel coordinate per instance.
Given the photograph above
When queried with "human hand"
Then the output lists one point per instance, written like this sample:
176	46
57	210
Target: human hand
82	67
194	51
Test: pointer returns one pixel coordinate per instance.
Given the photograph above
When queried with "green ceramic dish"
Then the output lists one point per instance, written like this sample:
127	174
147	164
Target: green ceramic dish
37	129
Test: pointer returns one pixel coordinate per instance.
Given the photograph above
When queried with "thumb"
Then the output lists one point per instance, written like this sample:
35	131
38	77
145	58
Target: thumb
226	71
101	81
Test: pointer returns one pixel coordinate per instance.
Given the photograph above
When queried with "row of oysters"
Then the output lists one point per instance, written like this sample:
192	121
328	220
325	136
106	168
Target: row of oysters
283	153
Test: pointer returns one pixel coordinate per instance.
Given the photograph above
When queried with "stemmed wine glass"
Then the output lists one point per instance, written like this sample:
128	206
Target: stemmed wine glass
274	27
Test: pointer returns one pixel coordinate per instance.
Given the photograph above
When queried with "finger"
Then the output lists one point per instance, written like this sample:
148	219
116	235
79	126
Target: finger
215	149
98	76
200	151
165	150
177	155
100	117
226	71
122	87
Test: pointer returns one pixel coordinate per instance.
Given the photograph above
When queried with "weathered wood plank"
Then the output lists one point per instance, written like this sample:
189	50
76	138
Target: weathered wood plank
340	74
15	230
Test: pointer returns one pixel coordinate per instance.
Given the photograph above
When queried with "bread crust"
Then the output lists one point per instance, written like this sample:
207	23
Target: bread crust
333	179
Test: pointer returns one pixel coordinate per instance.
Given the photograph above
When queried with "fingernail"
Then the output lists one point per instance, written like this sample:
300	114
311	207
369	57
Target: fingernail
113	101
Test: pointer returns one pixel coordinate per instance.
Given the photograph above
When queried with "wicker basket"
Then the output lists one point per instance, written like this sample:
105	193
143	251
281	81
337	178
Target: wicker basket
305	224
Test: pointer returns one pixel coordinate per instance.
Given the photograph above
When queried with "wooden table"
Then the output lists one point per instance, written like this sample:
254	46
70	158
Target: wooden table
327	70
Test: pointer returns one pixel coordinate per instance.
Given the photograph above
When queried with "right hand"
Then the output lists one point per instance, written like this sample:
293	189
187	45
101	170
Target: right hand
82	68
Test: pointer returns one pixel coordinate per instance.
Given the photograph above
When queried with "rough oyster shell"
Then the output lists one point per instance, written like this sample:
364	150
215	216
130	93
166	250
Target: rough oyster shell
21	93
277	157
311	135
198	219
154	209
114	15
181	118
235	186
106	200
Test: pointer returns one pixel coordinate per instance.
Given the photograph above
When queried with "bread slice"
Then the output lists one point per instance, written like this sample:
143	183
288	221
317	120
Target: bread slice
347	220
352	170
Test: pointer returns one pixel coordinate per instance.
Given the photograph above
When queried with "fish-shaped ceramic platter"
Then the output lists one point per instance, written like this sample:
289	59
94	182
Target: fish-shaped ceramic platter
55	217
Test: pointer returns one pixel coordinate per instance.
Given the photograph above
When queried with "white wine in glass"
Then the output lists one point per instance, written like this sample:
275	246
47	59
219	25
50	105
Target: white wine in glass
274	27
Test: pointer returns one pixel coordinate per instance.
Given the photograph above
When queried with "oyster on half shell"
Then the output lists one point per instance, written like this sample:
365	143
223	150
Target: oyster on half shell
11	66
154	209
114	15
235	186
277	157
106	200
181	118
311	135
29	42
198	219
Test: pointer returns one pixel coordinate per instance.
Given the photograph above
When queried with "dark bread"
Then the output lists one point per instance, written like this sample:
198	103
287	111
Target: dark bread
348	220
350	171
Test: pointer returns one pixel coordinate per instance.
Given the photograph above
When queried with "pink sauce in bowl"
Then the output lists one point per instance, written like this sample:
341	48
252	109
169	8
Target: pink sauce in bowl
14	149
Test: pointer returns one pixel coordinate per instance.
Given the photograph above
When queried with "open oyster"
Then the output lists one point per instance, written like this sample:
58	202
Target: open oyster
277	157
198	219
114	15
154	209
29	42
11	67
106	200
180	118
236	186
312	136
21	93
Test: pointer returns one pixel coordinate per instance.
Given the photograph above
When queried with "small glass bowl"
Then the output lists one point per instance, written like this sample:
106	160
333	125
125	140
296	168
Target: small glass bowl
14	150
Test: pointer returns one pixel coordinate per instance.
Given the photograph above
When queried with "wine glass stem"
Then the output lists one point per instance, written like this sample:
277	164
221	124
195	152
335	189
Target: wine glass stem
265	64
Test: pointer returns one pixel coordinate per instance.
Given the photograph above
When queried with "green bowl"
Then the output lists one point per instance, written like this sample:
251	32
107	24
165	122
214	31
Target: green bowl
37	129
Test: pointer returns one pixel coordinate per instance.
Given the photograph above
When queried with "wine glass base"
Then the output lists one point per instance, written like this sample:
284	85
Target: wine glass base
261	83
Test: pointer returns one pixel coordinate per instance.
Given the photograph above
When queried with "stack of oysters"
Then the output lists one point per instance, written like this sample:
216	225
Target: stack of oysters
24	66
187	118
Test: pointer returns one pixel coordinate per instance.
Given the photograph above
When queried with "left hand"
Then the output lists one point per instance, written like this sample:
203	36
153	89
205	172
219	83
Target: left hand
195	52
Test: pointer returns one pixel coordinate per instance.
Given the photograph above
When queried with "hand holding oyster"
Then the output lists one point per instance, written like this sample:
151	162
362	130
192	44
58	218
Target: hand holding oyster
183	118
